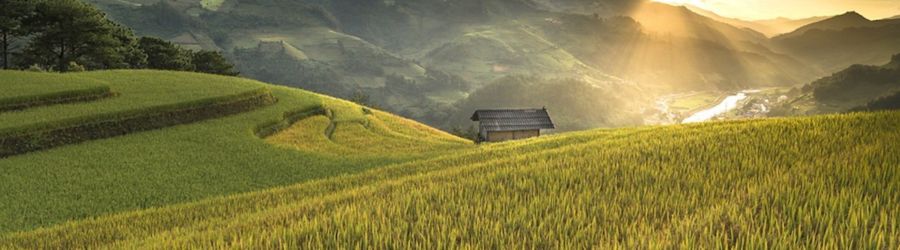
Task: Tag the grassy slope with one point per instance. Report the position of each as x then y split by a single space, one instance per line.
24 86
177 164
137 90
19 83
785 183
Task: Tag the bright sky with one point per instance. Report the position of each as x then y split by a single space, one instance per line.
767 9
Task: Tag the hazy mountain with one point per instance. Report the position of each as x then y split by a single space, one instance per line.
770 27
783 25
841 41
681 21
847 20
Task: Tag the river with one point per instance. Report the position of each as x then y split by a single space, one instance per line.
728 104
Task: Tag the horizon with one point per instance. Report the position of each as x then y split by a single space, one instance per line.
761 10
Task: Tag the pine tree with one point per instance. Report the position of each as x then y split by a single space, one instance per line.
67 31
12 13
162 54
213 62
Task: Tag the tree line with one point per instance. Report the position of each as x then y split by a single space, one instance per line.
71 35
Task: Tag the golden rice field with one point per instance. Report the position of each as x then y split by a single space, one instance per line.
826 182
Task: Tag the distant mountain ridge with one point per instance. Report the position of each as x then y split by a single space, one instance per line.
837 42
770 28
850 19
783 25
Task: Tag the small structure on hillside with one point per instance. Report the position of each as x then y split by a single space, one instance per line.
497 125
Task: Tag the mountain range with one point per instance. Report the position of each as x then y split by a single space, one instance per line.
435 60
770 27
840 41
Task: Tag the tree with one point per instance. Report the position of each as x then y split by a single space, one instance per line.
213 62
132 54
162 54
67 31
361 98
12 13
126 54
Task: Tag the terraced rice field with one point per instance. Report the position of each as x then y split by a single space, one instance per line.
175 164
349 177
21 90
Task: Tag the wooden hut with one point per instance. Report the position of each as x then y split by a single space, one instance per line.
497 125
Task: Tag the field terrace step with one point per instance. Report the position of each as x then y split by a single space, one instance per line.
22 90
139 105
65 132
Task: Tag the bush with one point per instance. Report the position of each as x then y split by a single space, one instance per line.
36 68
75 67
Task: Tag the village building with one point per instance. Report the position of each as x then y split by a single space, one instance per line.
496 125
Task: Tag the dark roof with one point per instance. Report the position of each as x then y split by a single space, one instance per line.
513 119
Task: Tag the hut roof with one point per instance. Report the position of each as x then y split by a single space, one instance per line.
513 119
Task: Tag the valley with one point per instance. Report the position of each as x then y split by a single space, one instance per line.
414 60
694 107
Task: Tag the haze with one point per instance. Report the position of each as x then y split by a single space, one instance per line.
768 9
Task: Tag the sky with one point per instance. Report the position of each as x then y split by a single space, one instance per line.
768 9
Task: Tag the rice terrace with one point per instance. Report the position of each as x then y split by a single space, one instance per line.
117 139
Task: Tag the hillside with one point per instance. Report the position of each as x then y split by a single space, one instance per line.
784 25
747 184
847 20
682 21
770 27
164 138
424 58
852 88
841 41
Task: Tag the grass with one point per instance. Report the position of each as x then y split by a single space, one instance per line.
137 90
381 181
26 89
353 130
813 182
156 168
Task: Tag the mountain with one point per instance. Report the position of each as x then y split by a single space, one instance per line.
854 87
847 20
681 21
841 41
783 25
770 28
423 59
